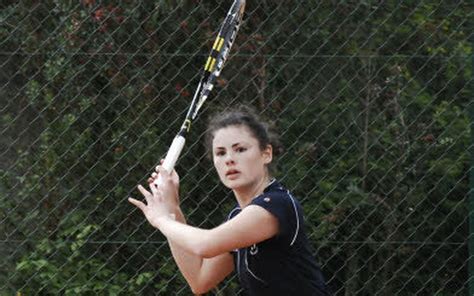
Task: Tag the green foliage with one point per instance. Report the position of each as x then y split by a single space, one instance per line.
370 100
63 266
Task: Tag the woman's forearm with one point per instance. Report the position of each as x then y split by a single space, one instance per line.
188 263
191 239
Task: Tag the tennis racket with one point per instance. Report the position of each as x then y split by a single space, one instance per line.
212 69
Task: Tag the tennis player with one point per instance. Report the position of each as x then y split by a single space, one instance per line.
263 239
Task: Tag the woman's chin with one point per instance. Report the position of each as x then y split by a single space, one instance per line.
233 184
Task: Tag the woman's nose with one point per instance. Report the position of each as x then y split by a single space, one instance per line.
229 159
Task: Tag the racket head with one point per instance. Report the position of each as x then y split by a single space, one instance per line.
227 34
218 55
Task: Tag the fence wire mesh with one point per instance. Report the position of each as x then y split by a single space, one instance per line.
370 99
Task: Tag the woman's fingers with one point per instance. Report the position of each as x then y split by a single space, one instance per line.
159 169
145 193
152 178
137 203
153 188
161 164
162 171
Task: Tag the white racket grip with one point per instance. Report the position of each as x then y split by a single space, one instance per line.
172 156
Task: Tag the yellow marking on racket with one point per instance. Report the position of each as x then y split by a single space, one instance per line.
208 63
213 63
187 124
218 44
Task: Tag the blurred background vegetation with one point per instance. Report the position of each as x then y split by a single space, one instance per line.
370 98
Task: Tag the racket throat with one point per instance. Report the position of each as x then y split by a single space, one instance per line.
183 132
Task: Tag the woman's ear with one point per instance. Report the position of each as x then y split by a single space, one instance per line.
267 154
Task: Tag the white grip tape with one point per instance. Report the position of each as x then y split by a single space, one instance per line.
172 156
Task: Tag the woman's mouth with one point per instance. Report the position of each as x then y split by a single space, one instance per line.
231 174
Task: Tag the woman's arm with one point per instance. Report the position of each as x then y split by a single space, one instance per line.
202 274
253 225
203 256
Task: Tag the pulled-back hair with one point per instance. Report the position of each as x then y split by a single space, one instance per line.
244 116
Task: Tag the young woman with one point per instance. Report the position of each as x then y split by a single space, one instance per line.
264 237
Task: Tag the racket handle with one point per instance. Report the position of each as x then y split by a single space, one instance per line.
172 156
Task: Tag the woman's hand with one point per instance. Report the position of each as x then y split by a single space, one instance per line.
174 179
162 202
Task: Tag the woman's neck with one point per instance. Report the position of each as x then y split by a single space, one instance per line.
245 195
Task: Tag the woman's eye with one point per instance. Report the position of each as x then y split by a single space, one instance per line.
220 153
241 149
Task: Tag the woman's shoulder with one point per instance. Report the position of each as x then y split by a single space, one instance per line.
276 193
279 201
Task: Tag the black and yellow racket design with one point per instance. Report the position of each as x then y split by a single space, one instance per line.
212 69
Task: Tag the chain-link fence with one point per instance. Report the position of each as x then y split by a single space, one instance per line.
370 98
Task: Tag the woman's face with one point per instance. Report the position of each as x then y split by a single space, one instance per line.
237 156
